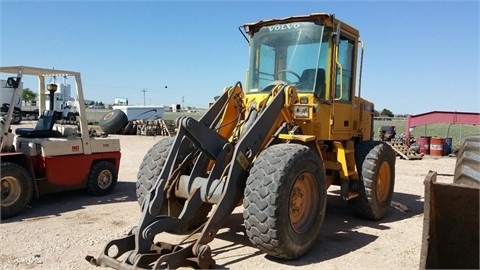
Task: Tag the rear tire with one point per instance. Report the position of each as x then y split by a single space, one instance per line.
16 189
102 178
113 121
376 170
284 200
147 177
467 168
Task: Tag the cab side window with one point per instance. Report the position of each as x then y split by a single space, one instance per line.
344 80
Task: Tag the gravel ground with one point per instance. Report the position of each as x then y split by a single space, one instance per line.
57 231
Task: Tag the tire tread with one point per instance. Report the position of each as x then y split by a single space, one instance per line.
467 167
261 203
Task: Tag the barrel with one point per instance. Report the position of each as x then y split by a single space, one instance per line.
447 147
436 146
424 144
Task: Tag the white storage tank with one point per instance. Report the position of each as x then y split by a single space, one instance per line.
62 96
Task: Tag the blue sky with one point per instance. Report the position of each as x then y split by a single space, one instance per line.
420 55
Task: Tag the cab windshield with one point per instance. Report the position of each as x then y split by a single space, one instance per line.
293 53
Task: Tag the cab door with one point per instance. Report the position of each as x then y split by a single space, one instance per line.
343 123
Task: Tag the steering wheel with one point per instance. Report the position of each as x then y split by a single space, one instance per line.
271 85
287 71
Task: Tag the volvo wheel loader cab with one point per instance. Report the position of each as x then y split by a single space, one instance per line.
298 127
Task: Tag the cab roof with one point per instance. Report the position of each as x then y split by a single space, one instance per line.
326 18
43 72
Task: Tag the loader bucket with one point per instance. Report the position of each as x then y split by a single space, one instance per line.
450 226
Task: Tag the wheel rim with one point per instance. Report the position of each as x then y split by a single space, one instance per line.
105 179
384 180
11 190
303 203
108 116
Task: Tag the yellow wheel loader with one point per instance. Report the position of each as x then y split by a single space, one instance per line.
297 127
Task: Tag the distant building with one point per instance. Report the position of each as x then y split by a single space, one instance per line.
120 101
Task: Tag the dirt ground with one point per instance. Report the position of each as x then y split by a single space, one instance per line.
58 231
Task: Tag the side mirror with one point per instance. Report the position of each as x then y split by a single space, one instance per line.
337 34
13 82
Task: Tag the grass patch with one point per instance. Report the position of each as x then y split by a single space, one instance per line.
457 132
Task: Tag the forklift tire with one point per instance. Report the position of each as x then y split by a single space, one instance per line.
102 178
467 168
16 189
147 176
376 170
284 200
113 121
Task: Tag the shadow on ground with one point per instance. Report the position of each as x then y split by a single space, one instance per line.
58 203
339 234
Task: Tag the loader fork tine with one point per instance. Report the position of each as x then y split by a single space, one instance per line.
137 249
183 256
123 245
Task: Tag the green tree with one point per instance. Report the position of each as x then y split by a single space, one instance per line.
28 95
387 112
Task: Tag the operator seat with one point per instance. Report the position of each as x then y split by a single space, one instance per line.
307 81
43 129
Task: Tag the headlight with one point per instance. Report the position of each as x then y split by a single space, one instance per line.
300 112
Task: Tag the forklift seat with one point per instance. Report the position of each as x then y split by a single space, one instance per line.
43 129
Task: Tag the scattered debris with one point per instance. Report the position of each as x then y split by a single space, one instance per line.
159 127
404 151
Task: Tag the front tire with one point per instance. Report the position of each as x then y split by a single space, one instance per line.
147 177
16 189
151 167
102 178
376 169
284 200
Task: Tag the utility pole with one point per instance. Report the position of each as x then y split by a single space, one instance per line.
143 90
183 105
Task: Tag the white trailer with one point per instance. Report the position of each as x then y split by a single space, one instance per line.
142 112
7 98
6 94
